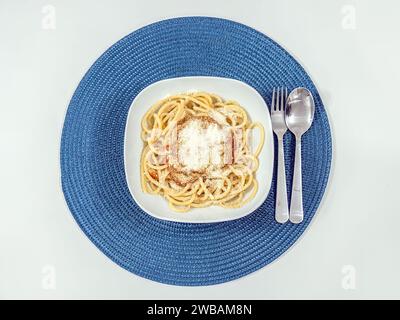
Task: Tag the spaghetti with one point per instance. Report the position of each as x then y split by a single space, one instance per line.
197 152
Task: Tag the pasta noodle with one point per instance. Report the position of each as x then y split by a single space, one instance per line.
197 152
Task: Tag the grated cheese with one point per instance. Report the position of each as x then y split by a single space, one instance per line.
201 145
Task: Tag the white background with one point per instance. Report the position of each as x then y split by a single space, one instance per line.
356 69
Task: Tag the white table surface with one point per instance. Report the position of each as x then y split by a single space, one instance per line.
351 250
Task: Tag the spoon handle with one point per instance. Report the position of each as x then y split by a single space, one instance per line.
281 204
296 204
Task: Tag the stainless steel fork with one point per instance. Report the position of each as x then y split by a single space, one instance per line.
278 104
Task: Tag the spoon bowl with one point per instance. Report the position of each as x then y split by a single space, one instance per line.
300 110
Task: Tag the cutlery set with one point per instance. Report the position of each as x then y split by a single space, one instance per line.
296 113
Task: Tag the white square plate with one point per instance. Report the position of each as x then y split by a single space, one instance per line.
229 89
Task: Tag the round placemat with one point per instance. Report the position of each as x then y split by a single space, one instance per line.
92 162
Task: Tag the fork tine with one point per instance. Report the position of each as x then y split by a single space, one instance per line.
278 96
282 97
284 100
277 99
273 100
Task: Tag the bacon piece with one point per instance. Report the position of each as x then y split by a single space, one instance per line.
237 144
153 173
228 147
173 146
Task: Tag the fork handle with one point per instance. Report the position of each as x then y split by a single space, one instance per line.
296 203
281 204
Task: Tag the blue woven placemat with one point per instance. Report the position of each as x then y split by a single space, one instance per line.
92 167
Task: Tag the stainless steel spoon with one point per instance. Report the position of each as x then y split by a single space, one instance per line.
299 116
